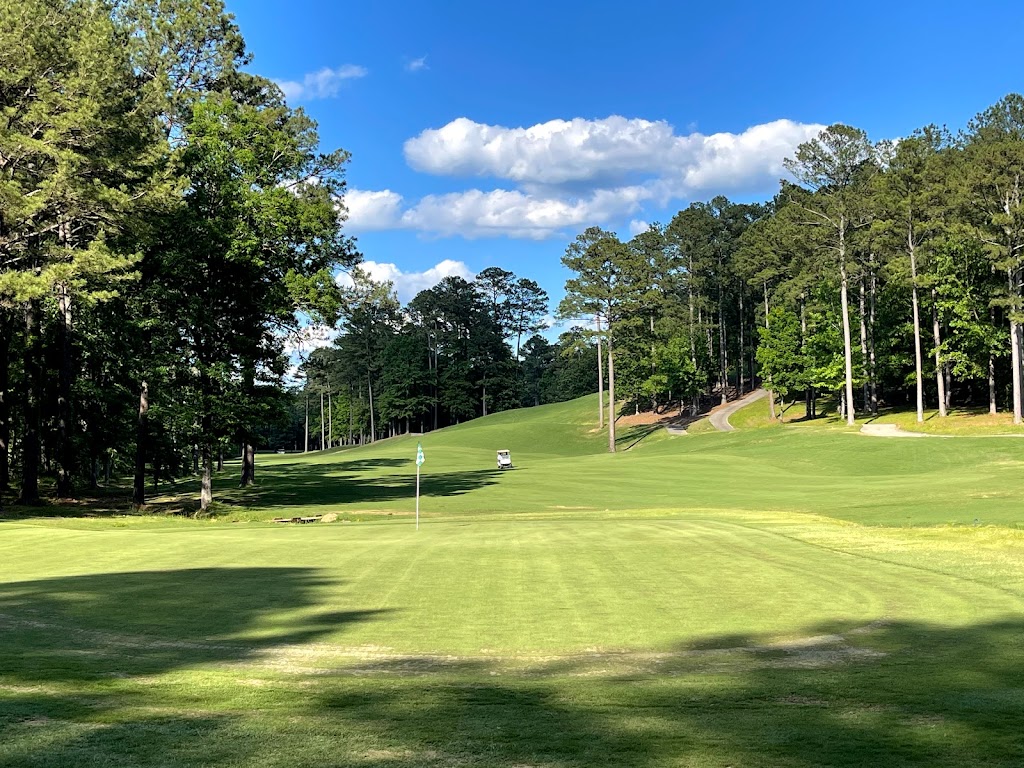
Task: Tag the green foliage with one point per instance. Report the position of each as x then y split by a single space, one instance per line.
780 352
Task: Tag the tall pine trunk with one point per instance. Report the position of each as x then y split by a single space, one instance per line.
872 362
845 307
1015 351
141 448
248 448
350 415
611 394
30 450
373 423
723 359
6 331
865 387
916 303
65 425
771 395
206 480
600 378
993 406
739 358
940 377
808 392
305 445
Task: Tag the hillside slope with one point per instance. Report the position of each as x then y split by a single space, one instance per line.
562 467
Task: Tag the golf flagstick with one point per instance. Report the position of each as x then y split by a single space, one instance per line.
419 461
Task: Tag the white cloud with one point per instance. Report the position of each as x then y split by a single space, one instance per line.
372 210
498 212
613 150
307 338
417 64
570 174
322 84
408 284
636 226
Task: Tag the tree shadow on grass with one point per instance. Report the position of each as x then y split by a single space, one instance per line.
906 694
81 657
151 622
899 694
332 486
285 485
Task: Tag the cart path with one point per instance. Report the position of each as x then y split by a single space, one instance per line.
719 417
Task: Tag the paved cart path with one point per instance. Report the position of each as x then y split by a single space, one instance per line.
719 417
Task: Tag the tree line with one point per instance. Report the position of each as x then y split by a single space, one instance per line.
165 221
881 273
456 351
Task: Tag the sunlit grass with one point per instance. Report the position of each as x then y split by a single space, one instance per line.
795 595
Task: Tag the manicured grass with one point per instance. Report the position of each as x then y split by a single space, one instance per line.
958 422
563 468
794 596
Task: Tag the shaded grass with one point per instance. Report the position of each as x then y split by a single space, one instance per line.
686 639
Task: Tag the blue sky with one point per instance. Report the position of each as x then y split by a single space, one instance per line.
489 134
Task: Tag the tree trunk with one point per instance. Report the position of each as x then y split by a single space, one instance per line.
5 403
693 332
206 487
323 423
65 425
350 415
918 357
1015 352
330 418
993 407
373 424
864 348
600 378
872 363
808 391
248 462
723 359
305 448
771 395
940 378
611 394
30 440
248 476
739 359
847 341
483 397
141 447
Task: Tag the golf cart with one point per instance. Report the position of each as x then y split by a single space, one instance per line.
504 460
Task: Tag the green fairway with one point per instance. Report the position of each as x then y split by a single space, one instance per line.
563 469
707 600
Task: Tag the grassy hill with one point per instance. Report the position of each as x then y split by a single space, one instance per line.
703 600
562 468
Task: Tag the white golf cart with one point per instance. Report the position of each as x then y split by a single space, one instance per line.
504 460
